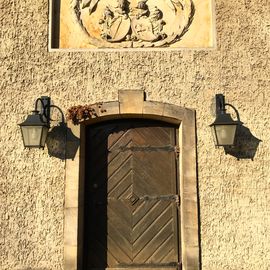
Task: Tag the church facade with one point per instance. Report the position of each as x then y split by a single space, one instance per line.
130 176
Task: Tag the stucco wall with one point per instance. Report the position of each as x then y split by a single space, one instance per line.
234 195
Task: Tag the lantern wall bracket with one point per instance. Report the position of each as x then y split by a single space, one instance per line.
44 111
221 106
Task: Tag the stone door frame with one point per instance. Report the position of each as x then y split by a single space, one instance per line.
131 104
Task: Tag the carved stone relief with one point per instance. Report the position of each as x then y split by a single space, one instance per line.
135 23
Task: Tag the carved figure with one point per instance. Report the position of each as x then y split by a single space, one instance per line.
142 9
174 3
106 23
157 23
155 14
115 23
149 28
121 8
91 4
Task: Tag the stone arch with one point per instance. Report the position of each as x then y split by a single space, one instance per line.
131 104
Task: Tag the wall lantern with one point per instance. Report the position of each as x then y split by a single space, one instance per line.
224 127
36 126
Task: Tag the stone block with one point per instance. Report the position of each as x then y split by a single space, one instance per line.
71 227
189 202
190 219
153 108
131 101
72 183
71 196
173 111
70 257
192 258
191 236
109 108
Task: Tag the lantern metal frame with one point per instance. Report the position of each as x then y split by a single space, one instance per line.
224 118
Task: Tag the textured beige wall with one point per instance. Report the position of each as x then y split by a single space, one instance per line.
234 195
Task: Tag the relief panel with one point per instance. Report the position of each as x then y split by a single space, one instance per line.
131 24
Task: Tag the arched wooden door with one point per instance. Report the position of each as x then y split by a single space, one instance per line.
131 217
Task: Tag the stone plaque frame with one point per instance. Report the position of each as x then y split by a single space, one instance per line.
131 104
76 25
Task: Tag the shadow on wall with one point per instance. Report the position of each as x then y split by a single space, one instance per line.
62 143
246 145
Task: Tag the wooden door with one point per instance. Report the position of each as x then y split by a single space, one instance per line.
131 196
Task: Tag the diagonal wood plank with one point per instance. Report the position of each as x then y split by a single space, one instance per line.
119 208
117 252
155 240
118 186
162 251
150 217
138 213
120 238
152 136
119 172
126 193
170 256
148 235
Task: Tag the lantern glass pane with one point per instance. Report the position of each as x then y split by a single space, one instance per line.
44 136
31 135
213 132
225 134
